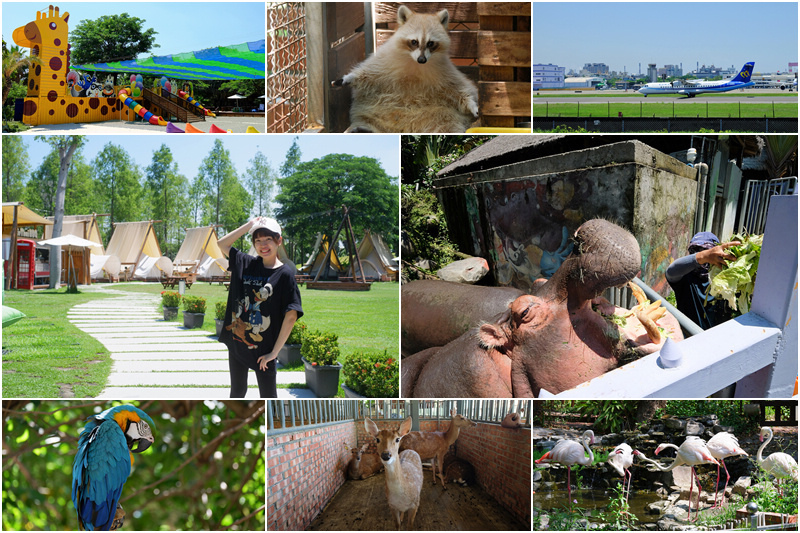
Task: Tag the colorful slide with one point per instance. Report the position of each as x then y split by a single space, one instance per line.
196 103
139 110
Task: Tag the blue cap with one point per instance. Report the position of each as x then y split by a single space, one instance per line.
704 239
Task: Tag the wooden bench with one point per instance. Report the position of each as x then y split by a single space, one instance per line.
170 282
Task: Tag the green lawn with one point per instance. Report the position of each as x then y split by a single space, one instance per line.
703 109
46 356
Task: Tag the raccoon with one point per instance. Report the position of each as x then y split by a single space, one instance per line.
409 85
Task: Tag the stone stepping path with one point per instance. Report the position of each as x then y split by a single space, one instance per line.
153 358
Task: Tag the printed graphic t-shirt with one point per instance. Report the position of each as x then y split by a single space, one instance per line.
258 300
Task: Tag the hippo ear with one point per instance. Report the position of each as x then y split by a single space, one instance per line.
494 336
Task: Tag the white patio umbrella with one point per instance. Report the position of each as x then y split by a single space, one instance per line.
70 242
236 97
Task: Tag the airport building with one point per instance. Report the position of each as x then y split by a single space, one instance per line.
596 69
547 76
587 82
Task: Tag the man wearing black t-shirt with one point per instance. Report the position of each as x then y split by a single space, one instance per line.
263 305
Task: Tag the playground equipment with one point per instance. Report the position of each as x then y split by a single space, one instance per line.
195 103
139 110
172 128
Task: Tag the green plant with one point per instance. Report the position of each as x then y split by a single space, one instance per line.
219 310
298 331
612 415
320 348
372 374
730 412
194 304
170 298
769 499
619 516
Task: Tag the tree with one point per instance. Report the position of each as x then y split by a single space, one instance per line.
229 203
117 179
260 181
166 188
206 470
15 67
110 38
16 167
66 146
292 160
311 198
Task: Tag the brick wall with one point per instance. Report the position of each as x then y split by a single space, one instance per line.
502 461
304 471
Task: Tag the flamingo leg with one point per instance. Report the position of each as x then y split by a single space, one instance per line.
630 478
727 479
716 489
569 485
691 488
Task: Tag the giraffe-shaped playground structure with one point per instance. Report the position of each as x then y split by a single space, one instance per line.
48 100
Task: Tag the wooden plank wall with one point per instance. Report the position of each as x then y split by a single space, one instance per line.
346 48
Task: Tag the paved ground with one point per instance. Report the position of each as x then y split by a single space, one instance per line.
158 359
234 124
634 97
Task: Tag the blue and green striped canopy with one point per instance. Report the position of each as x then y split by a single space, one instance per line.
237 62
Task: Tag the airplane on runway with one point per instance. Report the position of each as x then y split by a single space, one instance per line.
692 88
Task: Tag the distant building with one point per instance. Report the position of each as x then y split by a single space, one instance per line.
671 71
652 72
596 69
547 76
715 72
585 82
793 67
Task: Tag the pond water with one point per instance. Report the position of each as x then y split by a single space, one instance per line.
594 499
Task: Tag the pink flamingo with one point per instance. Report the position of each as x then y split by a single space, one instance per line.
621 458
568 453
779 464
692 452
723 445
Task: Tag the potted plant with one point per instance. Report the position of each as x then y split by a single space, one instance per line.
290 353
319 352
371 375
194 311
219 315
170 301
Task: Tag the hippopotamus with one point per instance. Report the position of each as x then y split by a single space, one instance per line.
424 324
555 338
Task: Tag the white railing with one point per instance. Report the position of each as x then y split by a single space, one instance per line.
757 351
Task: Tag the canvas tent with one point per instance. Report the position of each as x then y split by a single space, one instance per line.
136 246
199 254
317 258
376 259
91 264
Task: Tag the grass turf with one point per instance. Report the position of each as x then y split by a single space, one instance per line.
703 109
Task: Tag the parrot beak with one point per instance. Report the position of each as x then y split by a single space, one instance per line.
139 436
142 444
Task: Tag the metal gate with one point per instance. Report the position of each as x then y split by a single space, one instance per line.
753 210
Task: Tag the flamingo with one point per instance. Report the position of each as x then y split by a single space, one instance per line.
723 445
779 464
621 458
568 453
692 452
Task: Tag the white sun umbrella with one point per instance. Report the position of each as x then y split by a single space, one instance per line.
70 242
236 97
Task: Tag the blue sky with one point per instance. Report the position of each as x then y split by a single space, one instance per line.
189 150
212 23
624 35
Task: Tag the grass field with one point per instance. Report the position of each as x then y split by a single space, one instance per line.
703 109
46 356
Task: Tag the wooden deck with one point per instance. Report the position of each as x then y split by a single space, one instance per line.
362 506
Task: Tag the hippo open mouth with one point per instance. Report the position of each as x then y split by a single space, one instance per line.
562 334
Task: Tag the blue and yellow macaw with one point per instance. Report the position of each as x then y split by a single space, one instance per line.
103 463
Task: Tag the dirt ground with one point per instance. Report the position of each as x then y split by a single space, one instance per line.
362 506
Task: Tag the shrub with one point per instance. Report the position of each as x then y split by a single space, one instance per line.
320 348
194 304
170 298
372 374
298 331
219 310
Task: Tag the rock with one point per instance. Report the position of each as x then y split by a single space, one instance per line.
650 526
656 508
741 485
662 492
424 264
694 428
668 524
464 271
537 476
674 424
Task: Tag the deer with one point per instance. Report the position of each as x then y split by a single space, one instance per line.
434 444
403 470
362 465
458 470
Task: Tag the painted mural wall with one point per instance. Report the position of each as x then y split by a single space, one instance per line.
521 217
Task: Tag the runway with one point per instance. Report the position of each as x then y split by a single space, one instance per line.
602 97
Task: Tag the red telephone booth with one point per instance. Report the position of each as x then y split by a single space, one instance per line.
33 267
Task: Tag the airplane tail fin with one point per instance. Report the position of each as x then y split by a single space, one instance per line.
746 73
